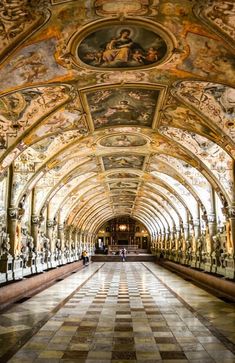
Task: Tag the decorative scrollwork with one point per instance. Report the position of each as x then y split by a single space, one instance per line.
18 18
13 213
35 219
50 223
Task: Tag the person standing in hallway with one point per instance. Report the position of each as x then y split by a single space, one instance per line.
84 257
123 254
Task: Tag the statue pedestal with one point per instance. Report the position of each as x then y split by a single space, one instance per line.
172 256
17 268
63 259
31 262
47 260
208 264
39 259
59 257
6 267
53 260
230 268
193 261
221 270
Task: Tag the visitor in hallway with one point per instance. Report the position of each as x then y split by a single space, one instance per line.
85 258
123 254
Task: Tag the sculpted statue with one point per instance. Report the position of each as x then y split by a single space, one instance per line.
217 250
5 245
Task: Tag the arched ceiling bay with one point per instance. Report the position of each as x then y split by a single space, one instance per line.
118 108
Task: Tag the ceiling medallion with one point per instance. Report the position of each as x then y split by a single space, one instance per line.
126 44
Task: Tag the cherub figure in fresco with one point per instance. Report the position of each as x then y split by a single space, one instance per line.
138 57
152 55
32 67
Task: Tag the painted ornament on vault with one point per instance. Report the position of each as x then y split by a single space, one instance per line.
125 46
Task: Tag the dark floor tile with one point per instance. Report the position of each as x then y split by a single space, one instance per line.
152 312
121 341
160 328
123 355
70 323
173 355
86 328
123 328
74 354
165 340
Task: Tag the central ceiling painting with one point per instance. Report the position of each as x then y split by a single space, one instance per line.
123 106
118 46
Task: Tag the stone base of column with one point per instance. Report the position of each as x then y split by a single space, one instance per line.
17 268
47 261
193 262
63 258
39 258
230 268
208 264
31 263
172 257
59 258
221 270
214 268
53 260
6 267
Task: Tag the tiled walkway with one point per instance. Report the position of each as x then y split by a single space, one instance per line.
124 313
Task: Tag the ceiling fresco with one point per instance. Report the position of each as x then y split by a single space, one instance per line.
122 106
122 46
111 108
125 140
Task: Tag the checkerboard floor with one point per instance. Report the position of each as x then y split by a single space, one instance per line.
125 313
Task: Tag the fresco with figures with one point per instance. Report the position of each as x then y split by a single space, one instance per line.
123 46
122 106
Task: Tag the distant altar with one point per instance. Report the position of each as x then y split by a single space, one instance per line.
114 249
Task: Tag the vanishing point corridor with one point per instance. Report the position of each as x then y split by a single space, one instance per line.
119 312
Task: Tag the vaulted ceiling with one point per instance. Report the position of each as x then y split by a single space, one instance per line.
113 107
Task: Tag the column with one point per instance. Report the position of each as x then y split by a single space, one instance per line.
49 250
230 260
35 225
60 232
212 217
14 231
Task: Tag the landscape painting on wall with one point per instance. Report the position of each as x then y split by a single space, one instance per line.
126 46
122 106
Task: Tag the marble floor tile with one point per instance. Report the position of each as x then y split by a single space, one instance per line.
123 313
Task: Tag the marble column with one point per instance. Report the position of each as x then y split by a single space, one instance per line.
212 215
230 260
35 226
50 253
14 231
